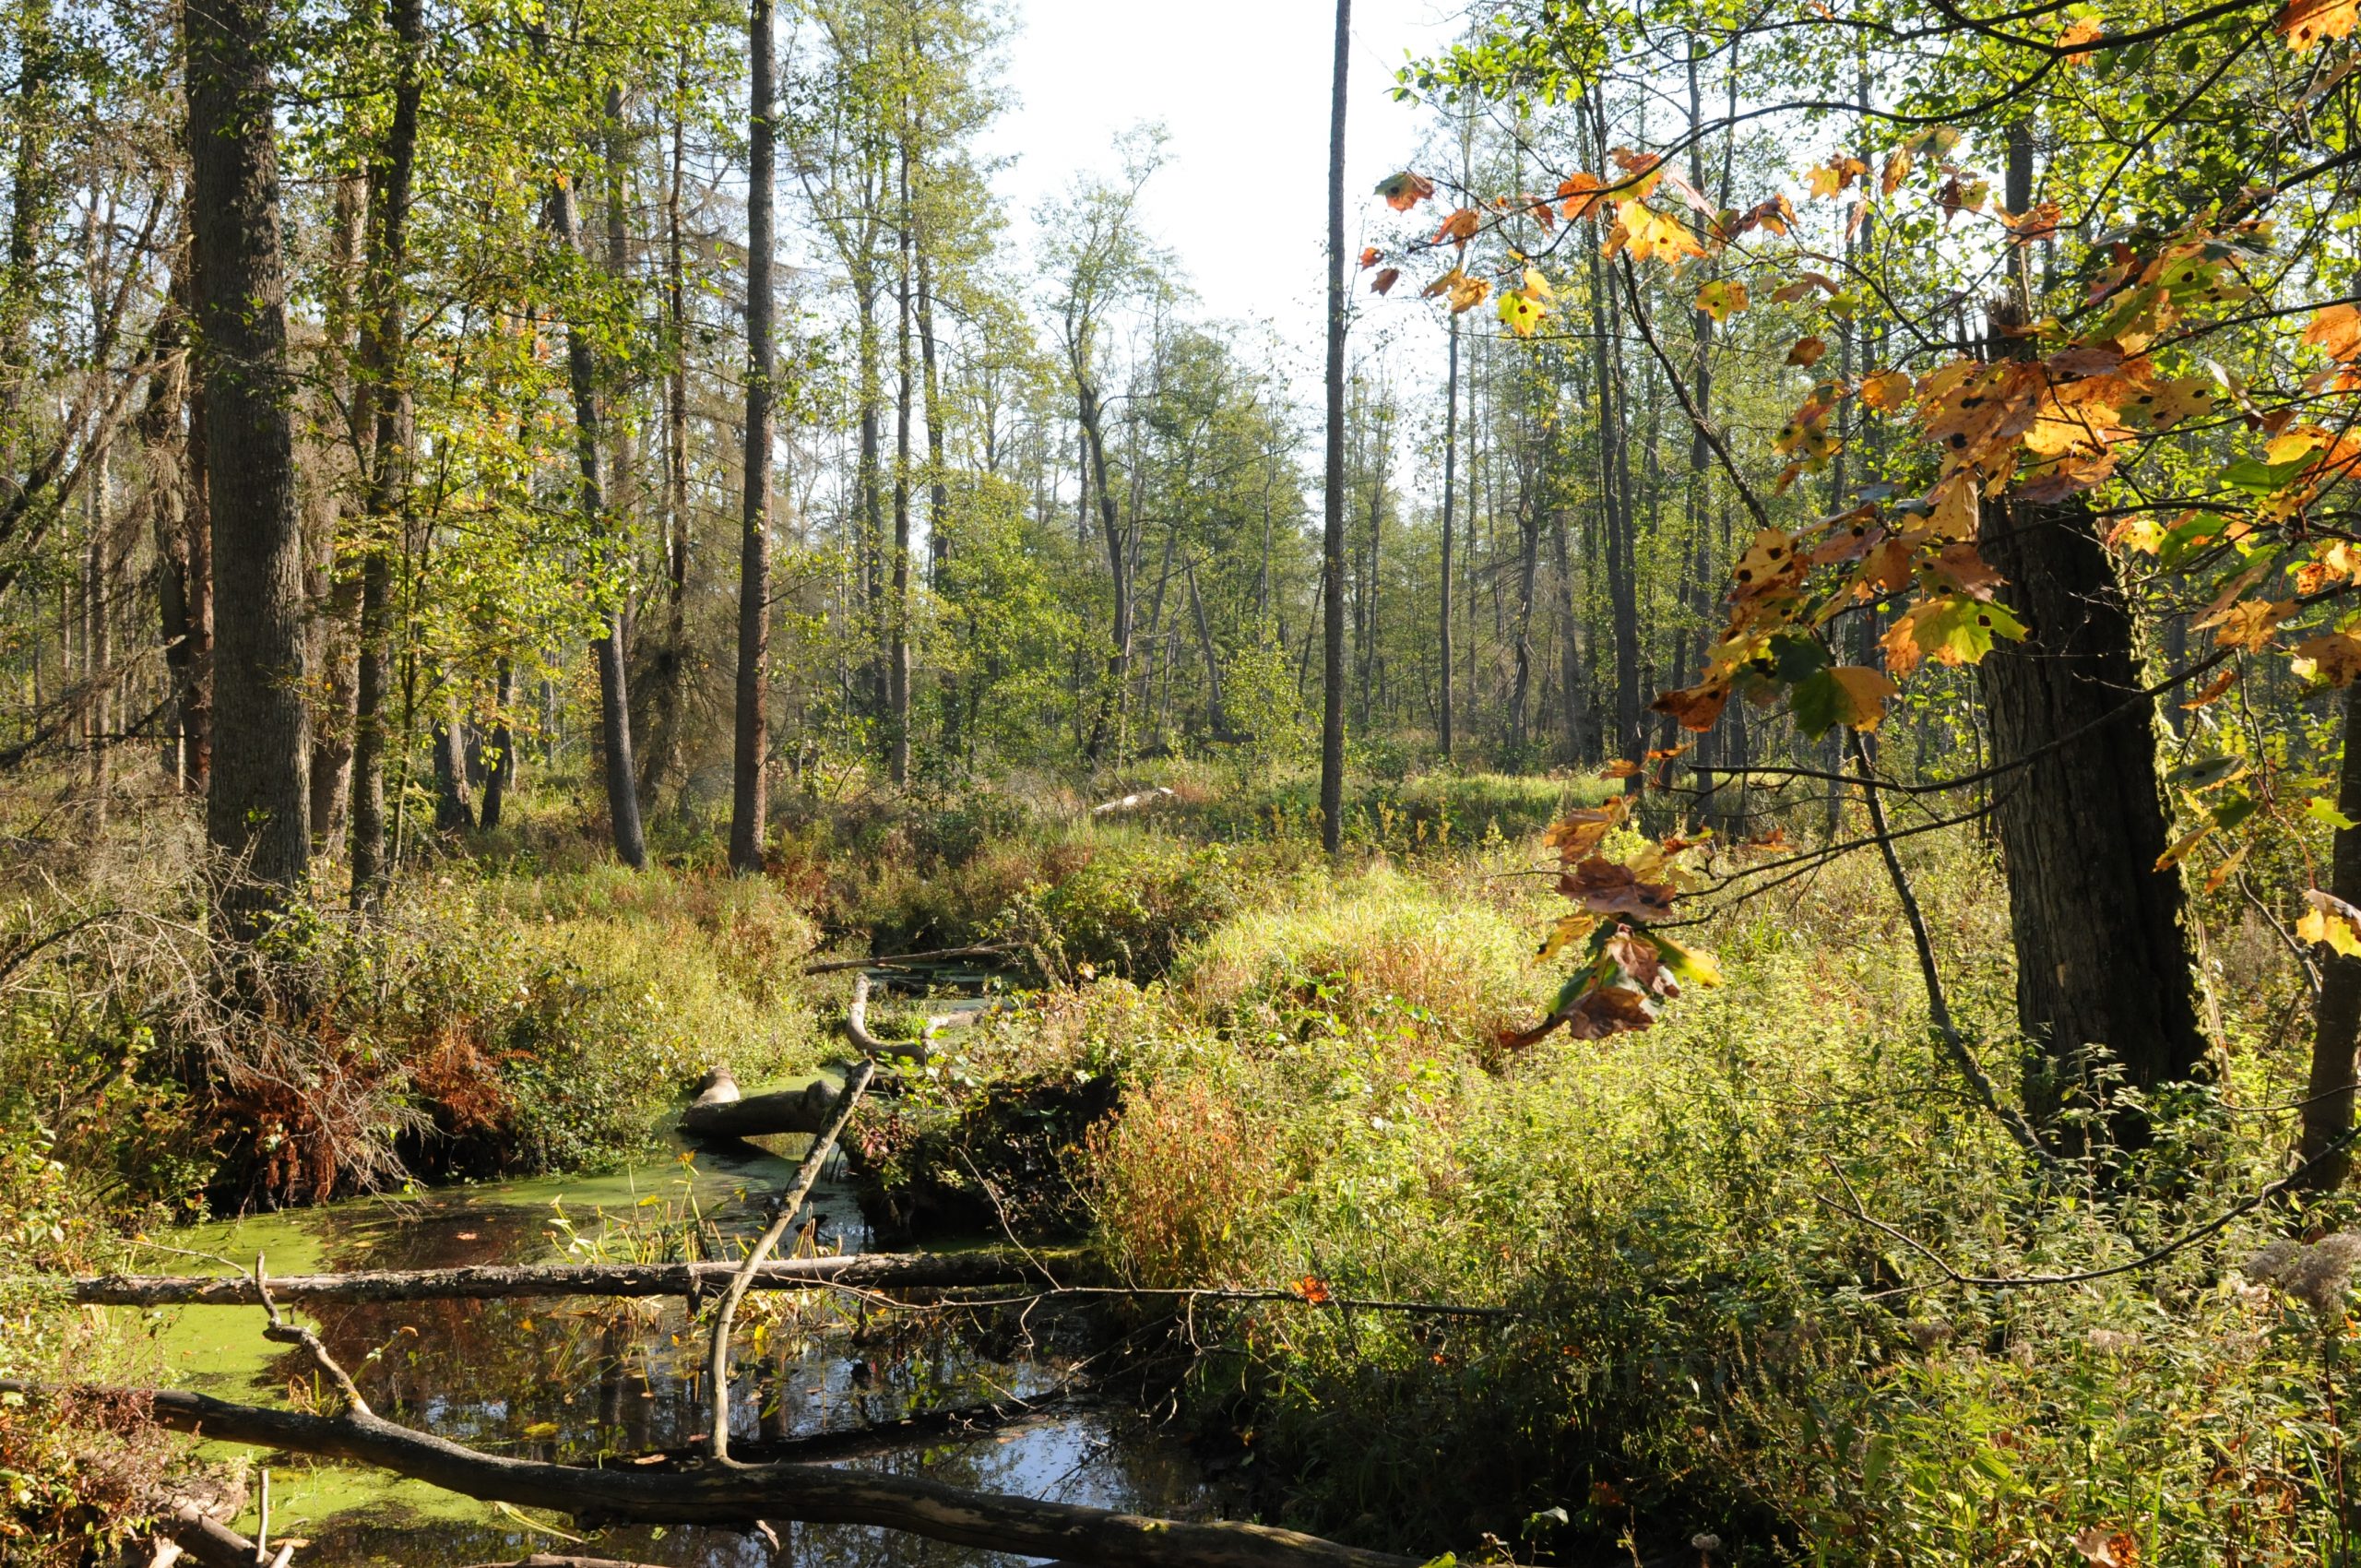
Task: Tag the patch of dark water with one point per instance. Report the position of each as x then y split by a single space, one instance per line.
603 1381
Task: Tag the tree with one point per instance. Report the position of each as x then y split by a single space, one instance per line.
257 807
1332 579
749 795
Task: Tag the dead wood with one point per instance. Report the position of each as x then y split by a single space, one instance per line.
871 1271
812 1494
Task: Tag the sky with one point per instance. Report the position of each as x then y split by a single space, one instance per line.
1243 87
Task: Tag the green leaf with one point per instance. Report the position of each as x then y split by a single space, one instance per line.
2320 808
2233 809
2258 477
1961 630
1794 657
2205 773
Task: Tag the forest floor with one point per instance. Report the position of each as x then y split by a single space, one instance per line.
1755 1275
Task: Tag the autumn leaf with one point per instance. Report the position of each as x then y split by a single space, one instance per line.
1403 191
1521 312
1605 888
2103 1549
1459 228
2336 328
1576 834
2335 658
1467 293
1311 1289
2308 23
2182 846
2331 920
2077 34
1850 694
1568 929
1695 708
1611 1009
2168 403
1722 299
1384 282
1370 256
1807 351
1885 392
2213 689
1690 966
1444 284
2249 623
1897 169
1582 192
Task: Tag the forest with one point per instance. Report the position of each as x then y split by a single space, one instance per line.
735 828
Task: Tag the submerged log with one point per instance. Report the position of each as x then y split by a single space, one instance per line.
874 1271
816 1495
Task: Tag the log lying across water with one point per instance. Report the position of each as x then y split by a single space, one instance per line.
869 1271
736 1496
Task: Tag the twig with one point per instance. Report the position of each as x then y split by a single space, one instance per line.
1939 1010
824 1143
2186 1239
280 1330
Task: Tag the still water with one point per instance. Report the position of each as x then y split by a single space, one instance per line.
582 1381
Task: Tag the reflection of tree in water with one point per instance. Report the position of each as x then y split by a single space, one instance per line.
584 1381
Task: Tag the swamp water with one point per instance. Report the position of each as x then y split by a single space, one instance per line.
585 1382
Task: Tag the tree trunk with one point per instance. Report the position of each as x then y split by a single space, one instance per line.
614 704
1450 498
750 753
897 612
455 810
387 387
2328 1098
257 809
1331 560
333 589
501 775
663 756
938 502
2081 821
1111 710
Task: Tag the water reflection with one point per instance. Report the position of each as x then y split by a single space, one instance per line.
585 1382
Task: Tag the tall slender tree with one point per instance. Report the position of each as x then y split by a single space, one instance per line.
749 799
1331 558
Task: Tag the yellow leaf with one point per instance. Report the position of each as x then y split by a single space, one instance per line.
2333 921
2308 23
2181 847
1866 691
2336 328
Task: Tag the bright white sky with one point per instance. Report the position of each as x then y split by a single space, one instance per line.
1243 86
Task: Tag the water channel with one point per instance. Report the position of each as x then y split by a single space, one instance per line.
587 1382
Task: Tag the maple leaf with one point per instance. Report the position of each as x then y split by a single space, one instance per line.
2102 1548
2308 23
1312 1288
1467 293
1850 694
2250 623
1444 284
2333 657
1605 888
1568 929
2336 328
1885 392
1403 191
1459 228
1807 351
1897 169
2037 222
1960 567
1582 194
2213 689
1385 280
1576 834
2331 920
1521 312
1695 708
2168 403
2079 32
1609 1010
1769 558
2085 359
1370 256
1722 299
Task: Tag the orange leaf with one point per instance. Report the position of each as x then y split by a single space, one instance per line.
2079 32
1403 191
1459 228
1583 193
1807 351
1385 280
2213 689
2336 328
1370 256
2308 23
2335 658
1312 1288
1697 707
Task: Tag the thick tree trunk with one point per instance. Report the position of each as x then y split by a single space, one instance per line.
1331 560
2103 957
455 810
386 388
257 809
750 755
499 776
2328 1098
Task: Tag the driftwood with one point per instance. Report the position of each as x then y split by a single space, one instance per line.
1131 802
812 1494
869 1271
824 1143
205 1538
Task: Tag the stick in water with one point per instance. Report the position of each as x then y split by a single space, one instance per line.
822 1143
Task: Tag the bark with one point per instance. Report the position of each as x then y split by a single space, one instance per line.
1449 499
1090 413
614 704
487 1282
455 810
1217 711
938 500
257 808
2328 1098
897 613
334 587
750 755
809 1494
499 776
1332 559
178 551
387 391
2082 822
662 759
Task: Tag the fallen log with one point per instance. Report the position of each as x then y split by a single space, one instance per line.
812 1494
1132 803
869 1271
899 960
720 1111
